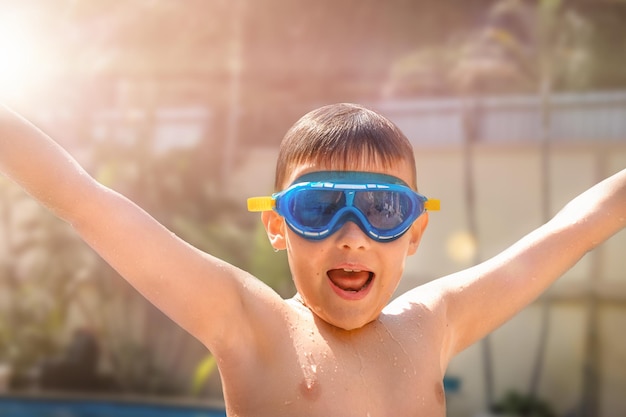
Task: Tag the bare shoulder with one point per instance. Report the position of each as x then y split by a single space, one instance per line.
426 299
435 307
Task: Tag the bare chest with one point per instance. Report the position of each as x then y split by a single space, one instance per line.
376 372
377 381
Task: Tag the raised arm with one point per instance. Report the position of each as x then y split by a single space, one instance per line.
208 297
478 300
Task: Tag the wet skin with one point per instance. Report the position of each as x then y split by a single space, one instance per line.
389 367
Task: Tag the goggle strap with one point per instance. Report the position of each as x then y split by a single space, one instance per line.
432 204
261 203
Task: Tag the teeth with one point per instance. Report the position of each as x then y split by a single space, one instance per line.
351 270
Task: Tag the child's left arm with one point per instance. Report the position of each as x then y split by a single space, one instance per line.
478 300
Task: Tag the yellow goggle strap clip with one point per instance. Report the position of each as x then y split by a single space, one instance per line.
432 204
261 204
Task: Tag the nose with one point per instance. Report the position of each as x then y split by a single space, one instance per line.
350 236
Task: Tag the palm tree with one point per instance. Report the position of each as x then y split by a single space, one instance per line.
524 47
535 46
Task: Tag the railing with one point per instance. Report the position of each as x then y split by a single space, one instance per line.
597 117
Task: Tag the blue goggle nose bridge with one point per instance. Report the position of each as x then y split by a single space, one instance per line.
349 197
349 212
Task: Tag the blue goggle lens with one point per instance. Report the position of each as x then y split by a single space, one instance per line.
315 208
385 210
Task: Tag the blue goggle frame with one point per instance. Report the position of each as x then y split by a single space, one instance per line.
318 204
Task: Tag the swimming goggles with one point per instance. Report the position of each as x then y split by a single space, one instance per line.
318 204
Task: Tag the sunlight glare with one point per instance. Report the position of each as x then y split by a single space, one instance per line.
461 247
22 60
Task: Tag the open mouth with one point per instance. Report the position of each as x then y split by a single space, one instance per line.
350 281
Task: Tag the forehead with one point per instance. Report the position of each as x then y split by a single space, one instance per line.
400 170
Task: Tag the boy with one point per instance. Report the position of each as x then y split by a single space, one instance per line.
348 215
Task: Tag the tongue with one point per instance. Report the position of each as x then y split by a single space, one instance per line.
349 281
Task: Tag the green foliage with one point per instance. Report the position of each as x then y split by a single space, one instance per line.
205 369
521 46
137 370
46 266
516 404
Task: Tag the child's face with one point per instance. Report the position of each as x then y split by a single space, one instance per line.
347 278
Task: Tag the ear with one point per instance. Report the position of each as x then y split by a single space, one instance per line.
416 231
275 228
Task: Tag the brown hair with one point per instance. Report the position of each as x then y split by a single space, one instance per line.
343 135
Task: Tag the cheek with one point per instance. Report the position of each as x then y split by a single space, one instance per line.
396 255
400 248
302 254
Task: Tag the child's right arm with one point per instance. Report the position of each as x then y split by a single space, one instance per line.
216 302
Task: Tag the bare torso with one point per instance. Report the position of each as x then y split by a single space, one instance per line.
389 367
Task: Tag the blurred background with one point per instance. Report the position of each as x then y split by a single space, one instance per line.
513 107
